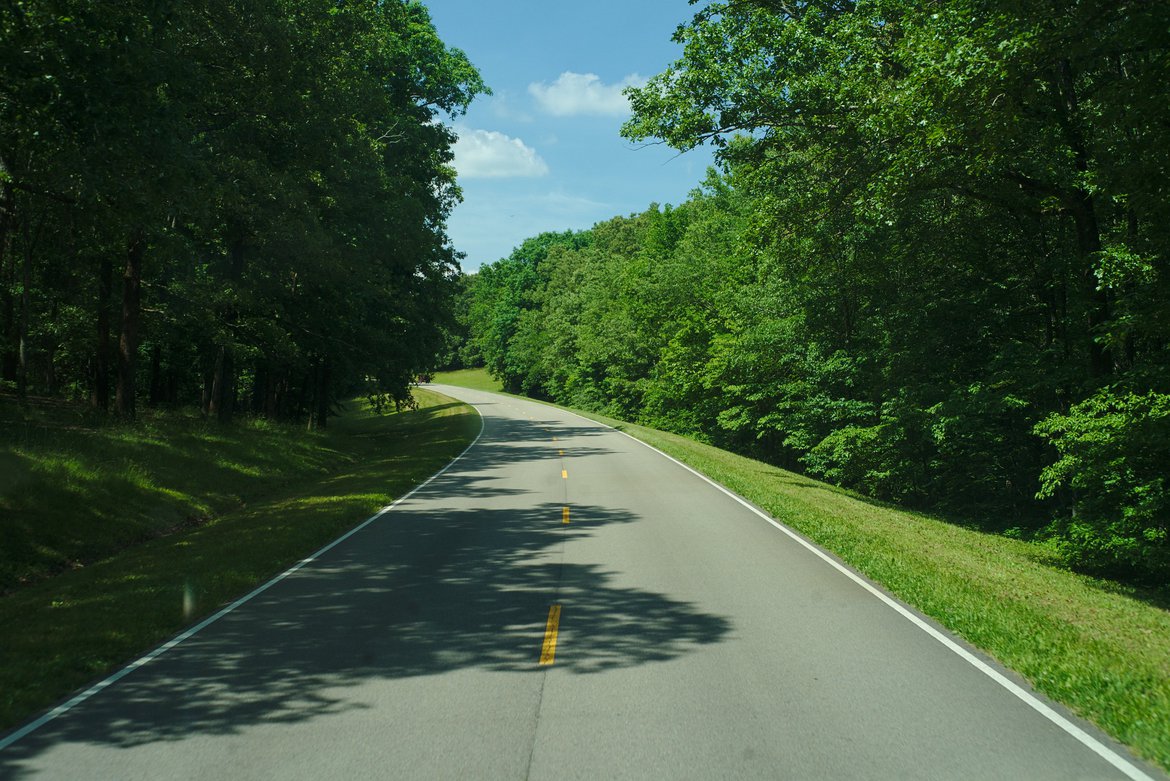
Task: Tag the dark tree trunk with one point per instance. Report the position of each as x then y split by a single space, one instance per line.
276 395
51 370
8 340
320 379
51 358
101 374
303 392
259 389
1088 247
205 391
125 395
223 384
156 382
1084 214
223 391
172 384
25 305
324 380
227 397
313 381
8 358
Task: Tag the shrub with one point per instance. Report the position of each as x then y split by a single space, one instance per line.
1114 461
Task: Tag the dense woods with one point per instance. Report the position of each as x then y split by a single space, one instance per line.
238 204
932 267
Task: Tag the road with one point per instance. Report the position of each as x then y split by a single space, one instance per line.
562 602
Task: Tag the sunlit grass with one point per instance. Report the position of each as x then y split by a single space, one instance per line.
476 379
64 631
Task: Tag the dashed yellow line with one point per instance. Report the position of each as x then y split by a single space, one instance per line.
548 650
564 515
565 474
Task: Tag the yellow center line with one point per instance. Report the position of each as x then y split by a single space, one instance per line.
564 515
565 474
561 452
548 650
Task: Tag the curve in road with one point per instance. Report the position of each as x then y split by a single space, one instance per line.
564 602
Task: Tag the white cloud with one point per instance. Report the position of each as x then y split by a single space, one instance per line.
487 154
584 93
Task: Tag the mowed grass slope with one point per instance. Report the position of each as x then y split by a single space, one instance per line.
274 495
1101 648
72 491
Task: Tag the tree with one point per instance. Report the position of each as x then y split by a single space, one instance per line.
271 176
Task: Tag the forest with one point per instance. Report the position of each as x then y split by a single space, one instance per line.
932 265
236 204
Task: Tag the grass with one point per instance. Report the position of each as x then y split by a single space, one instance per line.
262 496
73 491
1101 648
476 379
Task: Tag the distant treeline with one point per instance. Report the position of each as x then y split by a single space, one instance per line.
935 266
236 203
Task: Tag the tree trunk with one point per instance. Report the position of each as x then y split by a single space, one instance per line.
8 358
314 382
156 388
276 397
213 398
319 381
223 386
8 362
223 383
324 380
302 393
172 393
25 284
1084 213
101 376
259 389
1088 248
205 390
125 395
51 358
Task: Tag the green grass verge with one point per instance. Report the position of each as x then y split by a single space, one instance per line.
73 491
64 631
476 379
1100 648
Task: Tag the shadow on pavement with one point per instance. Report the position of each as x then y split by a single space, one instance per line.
425 590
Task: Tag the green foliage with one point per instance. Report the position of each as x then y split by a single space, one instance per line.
280 164
1114 449
934 227
505 297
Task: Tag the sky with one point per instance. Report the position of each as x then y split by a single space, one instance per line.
544 152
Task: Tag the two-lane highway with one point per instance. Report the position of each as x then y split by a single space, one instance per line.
564 602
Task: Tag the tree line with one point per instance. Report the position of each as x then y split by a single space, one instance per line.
932 266
239 204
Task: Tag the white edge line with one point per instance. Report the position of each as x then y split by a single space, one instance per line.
64 707
1090 742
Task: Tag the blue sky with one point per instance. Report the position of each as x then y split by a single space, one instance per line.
544 152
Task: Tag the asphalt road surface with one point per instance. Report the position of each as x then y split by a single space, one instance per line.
564 602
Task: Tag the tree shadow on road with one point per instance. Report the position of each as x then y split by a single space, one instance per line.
420 592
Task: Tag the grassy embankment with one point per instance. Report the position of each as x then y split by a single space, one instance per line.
112 538
1100 648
